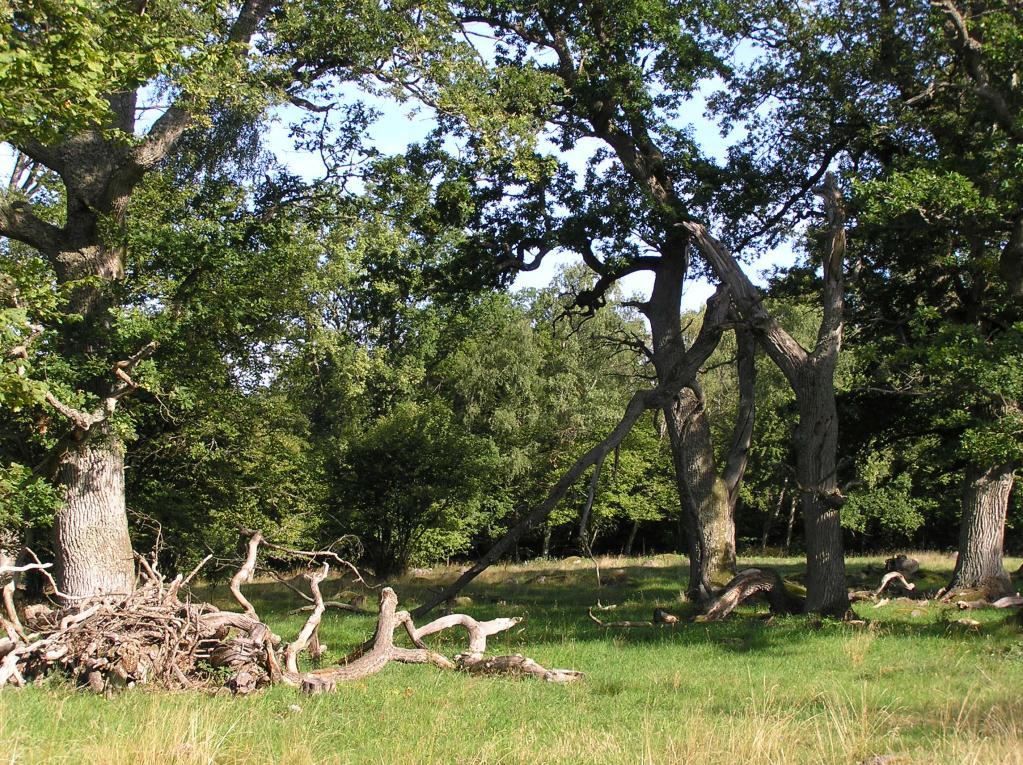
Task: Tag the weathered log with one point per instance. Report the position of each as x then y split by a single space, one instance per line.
1007 602
514 665
749 583
244 574
312 623
897 577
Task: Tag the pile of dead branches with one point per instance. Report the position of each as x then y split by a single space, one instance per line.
156 635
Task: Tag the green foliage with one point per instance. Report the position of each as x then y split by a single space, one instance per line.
885 506
414 486
26 500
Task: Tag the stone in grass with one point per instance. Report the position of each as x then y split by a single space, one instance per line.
916 613
462 600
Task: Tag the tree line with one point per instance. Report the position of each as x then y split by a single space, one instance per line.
198 338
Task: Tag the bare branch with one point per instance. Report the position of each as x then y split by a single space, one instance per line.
742 433
312 623
244 574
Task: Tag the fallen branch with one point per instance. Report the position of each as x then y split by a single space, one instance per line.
747 584
894 576
339 605
312 623
244 574
150 636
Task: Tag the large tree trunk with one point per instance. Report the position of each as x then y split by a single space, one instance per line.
703 496
92 546
985 504
816 448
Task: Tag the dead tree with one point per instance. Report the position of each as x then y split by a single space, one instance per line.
152 636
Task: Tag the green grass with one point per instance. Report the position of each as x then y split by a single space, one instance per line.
791 691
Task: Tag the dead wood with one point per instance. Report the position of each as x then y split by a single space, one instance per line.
747 584
383 650
337 604
897 578
244 574
152 637
1007 602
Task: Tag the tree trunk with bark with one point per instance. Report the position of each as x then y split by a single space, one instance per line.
703 496
92 546
985 506
811 374
816 451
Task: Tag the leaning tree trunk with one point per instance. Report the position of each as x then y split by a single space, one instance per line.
702 494
816 448
985 505
92 546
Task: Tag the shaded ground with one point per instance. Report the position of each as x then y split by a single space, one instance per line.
912 682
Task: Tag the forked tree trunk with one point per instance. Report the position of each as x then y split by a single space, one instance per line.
811 373
985 505
92 546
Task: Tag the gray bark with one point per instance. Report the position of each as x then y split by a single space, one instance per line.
92 546
982 531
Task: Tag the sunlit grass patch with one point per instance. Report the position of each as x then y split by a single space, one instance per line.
792 690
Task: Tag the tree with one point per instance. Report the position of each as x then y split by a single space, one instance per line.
415 482
811 373
623 75
939 236
199 64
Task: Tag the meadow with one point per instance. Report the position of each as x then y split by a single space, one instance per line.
911 684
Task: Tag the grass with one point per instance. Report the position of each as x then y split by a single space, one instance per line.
911 683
